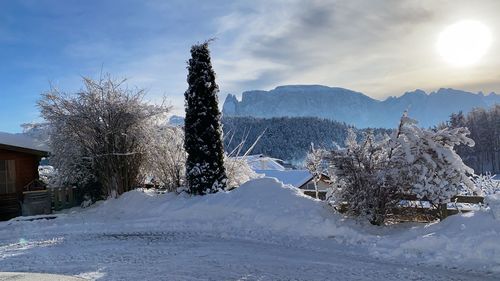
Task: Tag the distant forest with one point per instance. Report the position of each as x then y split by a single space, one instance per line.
287 138
484 125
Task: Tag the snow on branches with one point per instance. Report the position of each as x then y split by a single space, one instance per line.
205 171
166 158
99 133
372 175
436 171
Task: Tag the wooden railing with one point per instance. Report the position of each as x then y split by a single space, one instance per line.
36 202
63 198
10 207
441 211
312 193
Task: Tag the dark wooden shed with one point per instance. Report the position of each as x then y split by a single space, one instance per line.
19 160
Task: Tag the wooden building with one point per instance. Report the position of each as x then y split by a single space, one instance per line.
19 159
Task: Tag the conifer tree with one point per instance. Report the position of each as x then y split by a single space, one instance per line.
205 171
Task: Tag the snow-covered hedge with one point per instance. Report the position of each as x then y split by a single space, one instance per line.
372 174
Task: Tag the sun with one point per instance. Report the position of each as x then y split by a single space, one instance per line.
464 43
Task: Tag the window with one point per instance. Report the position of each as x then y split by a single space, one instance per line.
7 176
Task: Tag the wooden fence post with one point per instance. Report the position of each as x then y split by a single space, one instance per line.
71 197
443 210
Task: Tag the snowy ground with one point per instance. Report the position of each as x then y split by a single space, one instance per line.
261 231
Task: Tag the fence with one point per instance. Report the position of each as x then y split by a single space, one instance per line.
10 206
441 211
36 203
64 197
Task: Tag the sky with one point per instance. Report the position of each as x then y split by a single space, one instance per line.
380 48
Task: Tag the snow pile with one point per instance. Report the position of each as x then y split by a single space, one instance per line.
296 178
266 210
260 208
493 202
469 240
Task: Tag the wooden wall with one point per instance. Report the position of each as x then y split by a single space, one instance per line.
26 167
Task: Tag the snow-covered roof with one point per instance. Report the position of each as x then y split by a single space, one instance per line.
22 141
261 162
296 178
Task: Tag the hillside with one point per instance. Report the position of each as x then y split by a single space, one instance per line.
285 138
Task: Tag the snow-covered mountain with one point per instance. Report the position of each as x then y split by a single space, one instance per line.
354 107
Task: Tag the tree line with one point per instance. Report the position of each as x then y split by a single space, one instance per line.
286 138
484 126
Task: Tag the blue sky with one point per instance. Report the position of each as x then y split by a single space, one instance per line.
381 48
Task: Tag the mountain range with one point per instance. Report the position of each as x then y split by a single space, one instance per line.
355 108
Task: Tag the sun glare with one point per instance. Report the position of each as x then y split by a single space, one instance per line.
464 43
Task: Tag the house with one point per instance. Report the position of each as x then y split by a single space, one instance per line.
19 159
323 184
261 162
274 168
296 178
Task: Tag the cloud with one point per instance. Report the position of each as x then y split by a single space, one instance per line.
379 47
319 40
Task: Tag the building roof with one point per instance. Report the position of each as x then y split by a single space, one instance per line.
22 143
296 178
261 162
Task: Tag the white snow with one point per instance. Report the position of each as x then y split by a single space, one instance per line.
262 230
261 162
21 141
295 178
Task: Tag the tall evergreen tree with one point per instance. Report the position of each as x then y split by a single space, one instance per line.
205 171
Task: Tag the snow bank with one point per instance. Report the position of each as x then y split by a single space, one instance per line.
296 178
493 202
469 240
259 208
265 209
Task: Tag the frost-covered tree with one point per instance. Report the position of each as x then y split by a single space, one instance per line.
484 126
487 184
205 172
166 161
238 171
316 164
99 134
286 138
365 178
372 175
436 171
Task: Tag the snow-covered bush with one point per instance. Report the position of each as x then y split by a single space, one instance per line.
436 171
166 157
166 162
365 179
371 175
486 184
316 164
48 175
238 171
99 133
